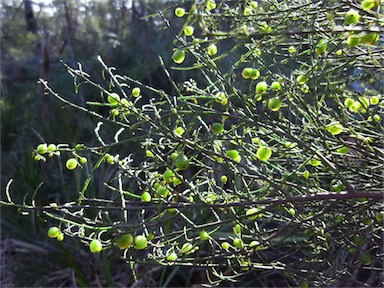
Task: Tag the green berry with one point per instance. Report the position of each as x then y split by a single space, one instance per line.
42 148
60 237
140 242
225 245
113 98
263 153
178 56
53 232
179 12
51 148
246 73
212 50
136 92
255 73
234 155
237 242
146 197
348 102
71 163
83 160
182 162
276 86
186 248
374 100
301 79
291 49
171 257
376 117
370 38
306 174
379 216
351 17
168 175
115 112
124 241
217 128
148 153
173 156
224 179
261 87
353 41
95 246
274 104
188 31
204 235
321 46
211 4
179 131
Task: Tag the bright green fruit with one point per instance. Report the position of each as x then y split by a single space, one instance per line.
369 4
140 242
291 211
237 242
182 162
254 243
370 38
204 235
234 155
83 160
314 162
188 31
60 237
212 50
348 102
173 156
276 86
95 246
178 56
36 157
179 12
291 49
168 175
42 148
109 158
237 229
353 41
247 11
342 150
224 179
51 147
113 98
176 181
146 197
252 213
71 163
374 100
186 248
162 190
171 257
302 79
255 73
115 112
263 153
148 153
211 4
246 73
217 128
351 17
358 240
334 129
136 92
321 46
179 131
225 245
274 104
53 232
261 87
376 117
306 174
124 241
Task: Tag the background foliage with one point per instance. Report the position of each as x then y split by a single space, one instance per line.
316 199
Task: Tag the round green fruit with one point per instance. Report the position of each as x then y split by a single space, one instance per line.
53 232
237 242
124 241
223 179
306 174
60 237
255 73
179 131
148 153
276 86
274 104
188 31
179 12
217 128
173 156
234 155
168 175
178 56
113 98
225 245
379 216
171 256
140 242
71 163
252 213
370 38
351 17
212 50
374 100
261 87
246 73
146 197
95 246
353 41
321 46
42 148
136 92
348 102
51 148
301 79
211 4
182 162
369 4
263 153
204 235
